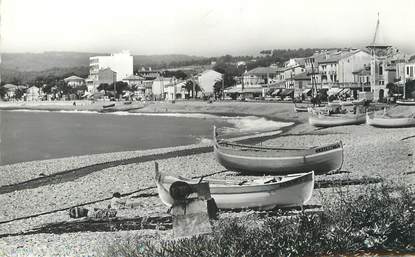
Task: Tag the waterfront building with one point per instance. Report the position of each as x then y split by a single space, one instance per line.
159 85
259 76
207 79
120 63
133 80
175 90
32 94
74 81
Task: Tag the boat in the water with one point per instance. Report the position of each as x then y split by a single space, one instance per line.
386 121
332 120
276 160
265 193
406 102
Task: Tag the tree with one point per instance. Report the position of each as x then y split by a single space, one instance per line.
410 89
392 89
3 91
120 86
105 86
18 94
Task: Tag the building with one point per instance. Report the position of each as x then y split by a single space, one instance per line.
120 63
33 94
104 76
134 80
259 76
207 80
339 67
175 90
74 81
159 86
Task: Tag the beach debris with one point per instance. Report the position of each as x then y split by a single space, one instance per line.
78 212
116 202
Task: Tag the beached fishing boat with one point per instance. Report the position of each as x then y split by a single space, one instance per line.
277 161
386 121
406 102
108 106
265 193
332 120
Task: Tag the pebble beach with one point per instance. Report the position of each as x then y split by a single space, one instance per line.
369 153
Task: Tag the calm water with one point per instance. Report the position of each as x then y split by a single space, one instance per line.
27 136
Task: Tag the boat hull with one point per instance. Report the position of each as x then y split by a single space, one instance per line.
295 194
333 121
405 102
382 122
320 162
292 192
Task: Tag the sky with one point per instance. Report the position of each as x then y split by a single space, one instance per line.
201 27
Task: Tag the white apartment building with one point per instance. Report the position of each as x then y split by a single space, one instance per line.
121 63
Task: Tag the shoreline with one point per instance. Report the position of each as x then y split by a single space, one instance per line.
370 154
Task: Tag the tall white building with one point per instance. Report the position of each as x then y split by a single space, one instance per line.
121 63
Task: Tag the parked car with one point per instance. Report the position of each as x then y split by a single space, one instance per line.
269 98
277 98
228 98
241 98
288 99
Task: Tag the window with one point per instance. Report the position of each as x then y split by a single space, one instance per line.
407 70
381 82
380 70
411 71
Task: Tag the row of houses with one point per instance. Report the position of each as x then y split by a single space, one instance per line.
335 70
340 70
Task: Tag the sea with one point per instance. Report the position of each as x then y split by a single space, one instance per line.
28 135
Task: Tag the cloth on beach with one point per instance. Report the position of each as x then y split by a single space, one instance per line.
117 203
103 213
191 218
78 212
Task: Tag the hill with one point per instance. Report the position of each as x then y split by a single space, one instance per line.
50 60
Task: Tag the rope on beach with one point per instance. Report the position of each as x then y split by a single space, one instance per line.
405 138
100 200
78 205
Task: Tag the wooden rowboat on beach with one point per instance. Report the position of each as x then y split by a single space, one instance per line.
325 121
386 121
265 193
277 161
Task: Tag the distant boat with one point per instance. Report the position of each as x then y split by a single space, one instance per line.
265 193
406 102
277 161
302 107
332 120
108 105
390 122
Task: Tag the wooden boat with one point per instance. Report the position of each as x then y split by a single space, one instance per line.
332 120
390 122
406 102
278 161
108 106
266 193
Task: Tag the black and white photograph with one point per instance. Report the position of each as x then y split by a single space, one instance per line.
172 128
